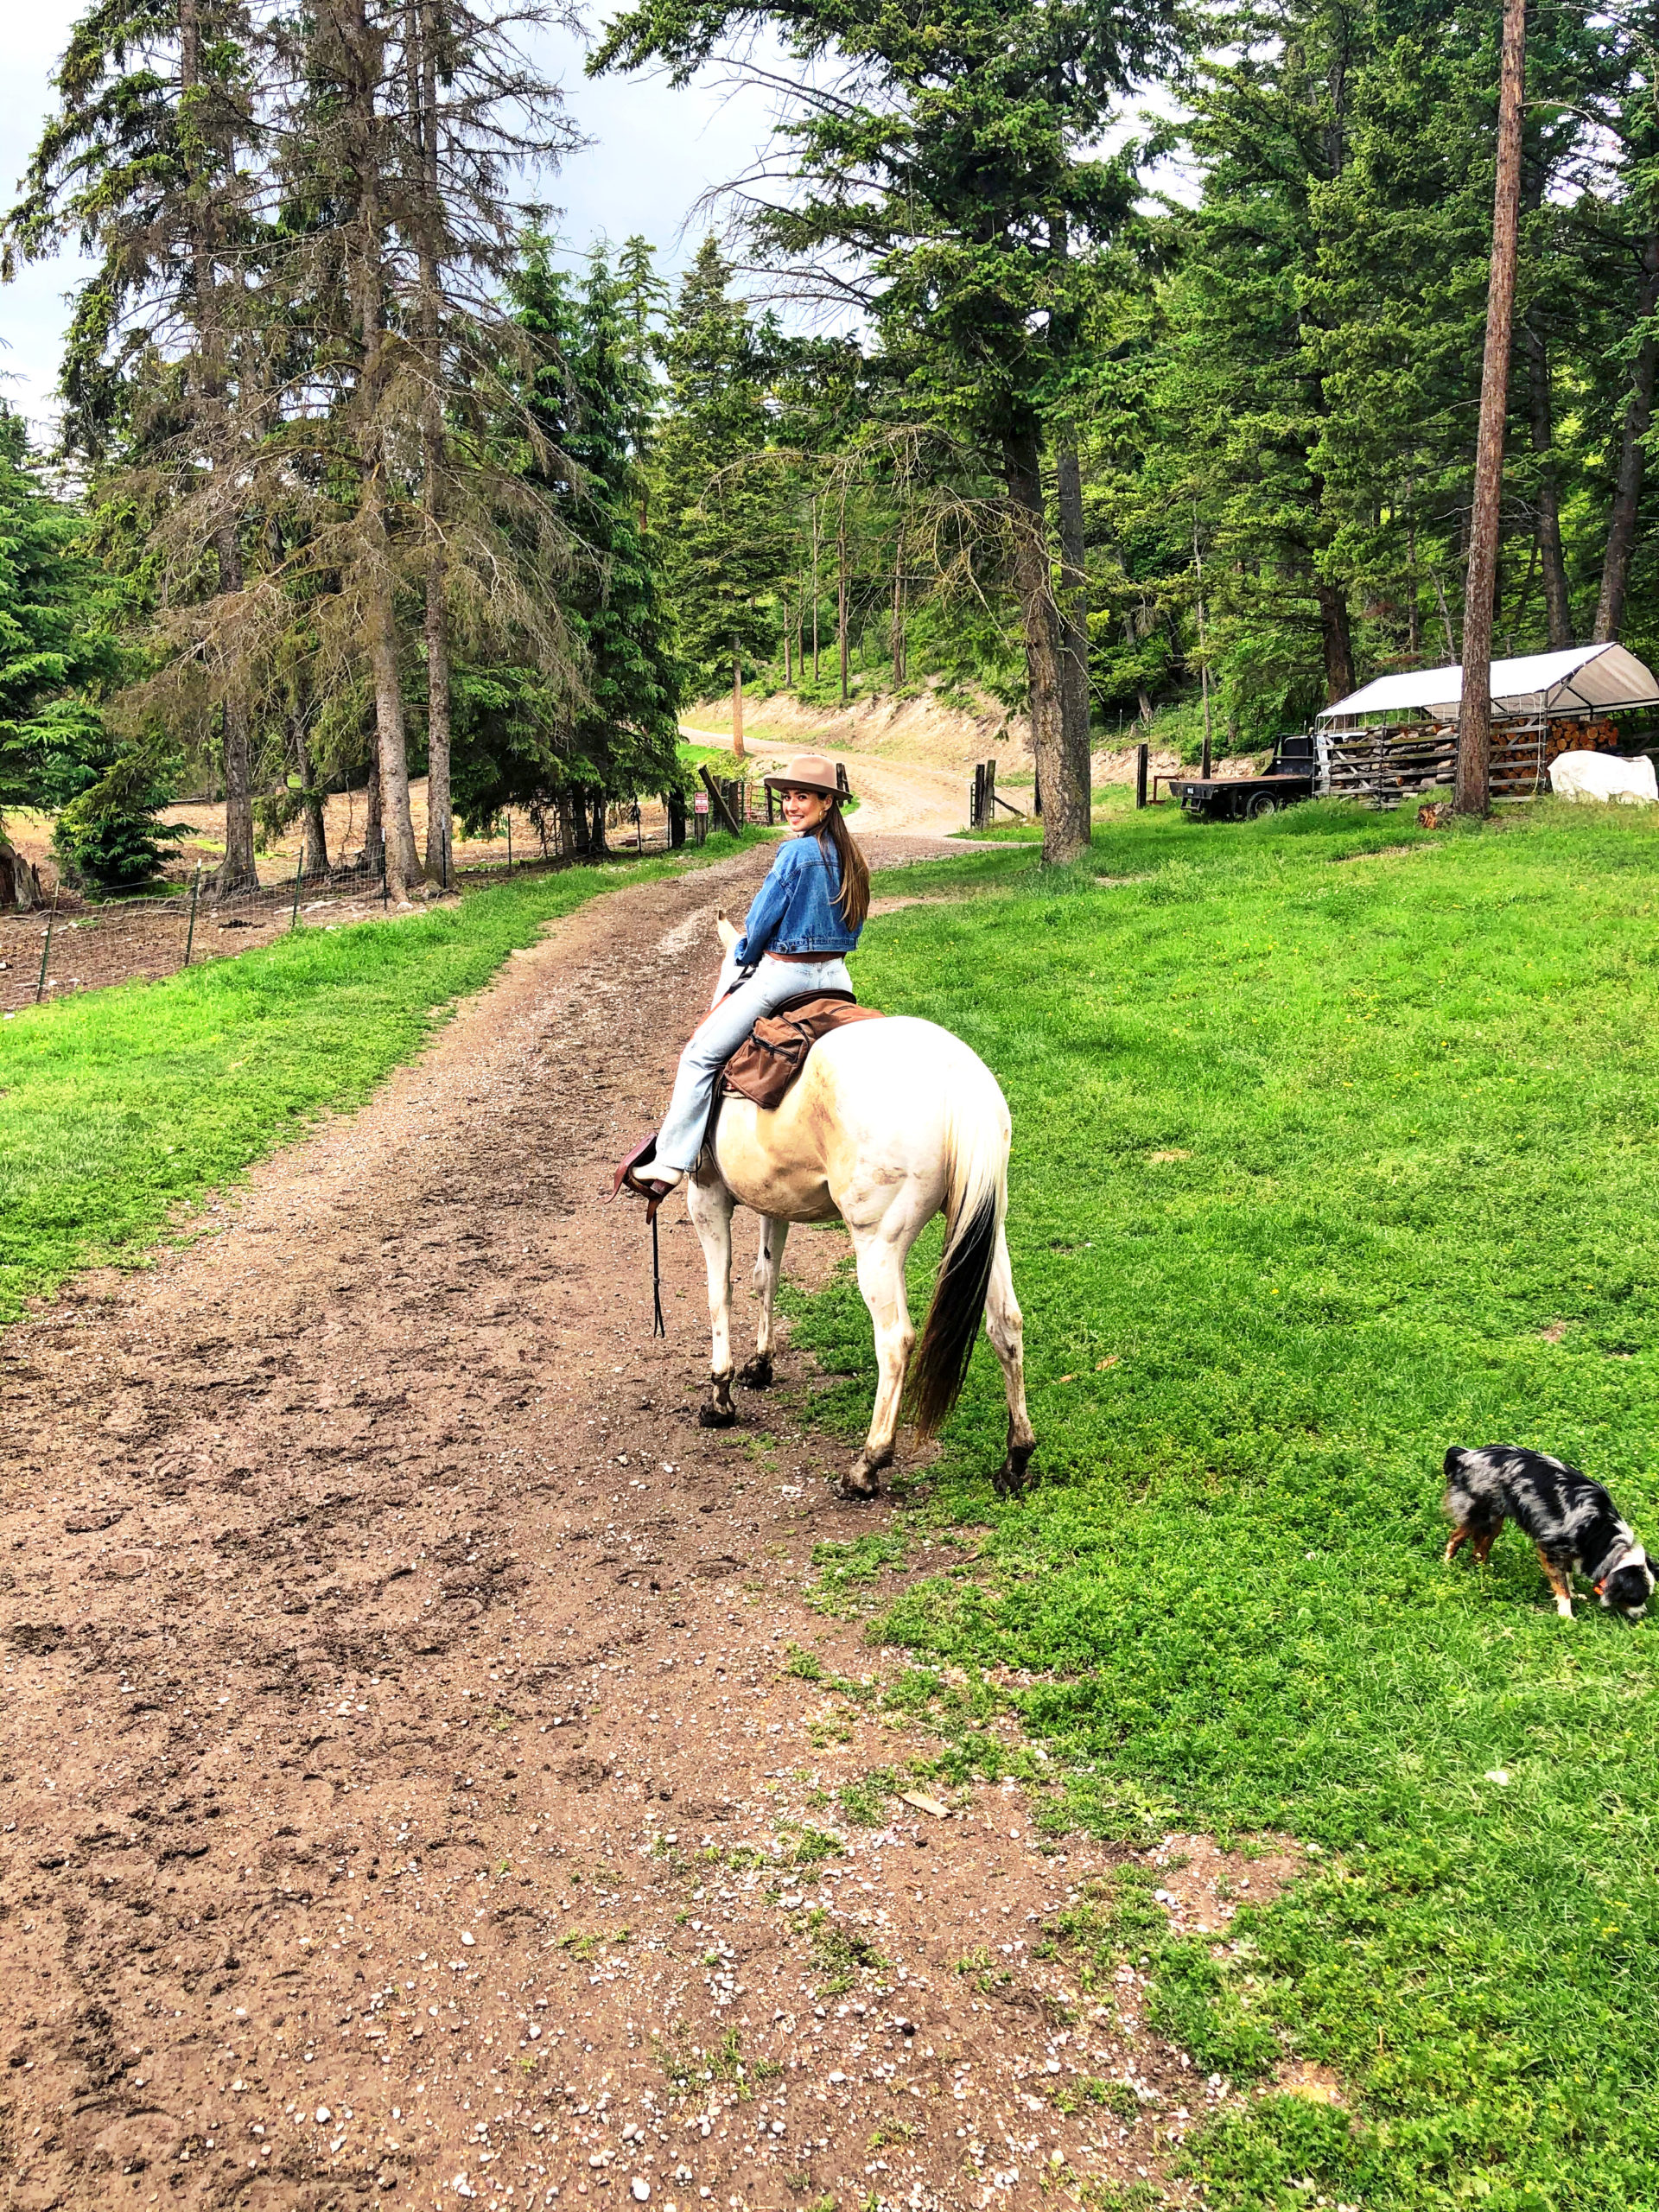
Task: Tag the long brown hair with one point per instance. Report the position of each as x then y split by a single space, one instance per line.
854 896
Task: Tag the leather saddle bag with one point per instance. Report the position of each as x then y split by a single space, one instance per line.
774 1052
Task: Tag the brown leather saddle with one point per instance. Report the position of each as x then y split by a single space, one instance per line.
762 1069
774 1053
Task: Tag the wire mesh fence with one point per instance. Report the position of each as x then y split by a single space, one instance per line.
77 943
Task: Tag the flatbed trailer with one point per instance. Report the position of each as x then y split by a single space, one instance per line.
1287 777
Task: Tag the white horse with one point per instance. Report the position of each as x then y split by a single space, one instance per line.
888 1123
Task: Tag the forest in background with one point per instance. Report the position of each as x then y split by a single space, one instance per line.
1046 400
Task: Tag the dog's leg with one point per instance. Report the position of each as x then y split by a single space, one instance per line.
1459 1538
1560 1583
1482 1546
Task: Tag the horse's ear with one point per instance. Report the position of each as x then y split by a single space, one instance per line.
729 936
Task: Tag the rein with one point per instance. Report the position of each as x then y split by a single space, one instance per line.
658 1328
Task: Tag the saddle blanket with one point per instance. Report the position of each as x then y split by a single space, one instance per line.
774 1052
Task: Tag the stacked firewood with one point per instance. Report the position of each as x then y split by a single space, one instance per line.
1566 736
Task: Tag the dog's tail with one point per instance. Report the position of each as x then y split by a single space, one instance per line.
976 1199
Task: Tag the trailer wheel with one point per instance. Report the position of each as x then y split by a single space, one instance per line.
1258 804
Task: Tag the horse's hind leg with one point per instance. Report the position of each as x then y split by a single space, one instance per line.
881 1256
768 1267
710 1203
1005 1326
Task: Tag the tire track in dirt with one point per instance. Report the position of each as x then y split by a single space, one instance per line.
408 1798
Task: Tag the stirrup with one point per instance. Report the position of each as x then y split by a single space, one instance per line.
629 1176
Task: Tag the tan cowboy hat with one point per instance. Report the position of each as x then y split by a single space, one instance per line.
807 772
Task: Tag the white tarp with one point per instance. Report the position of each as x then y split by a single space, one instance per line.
1604 776
1583 678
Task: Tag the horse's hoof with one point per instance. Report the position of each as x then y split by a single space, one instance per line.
860 1480
757 1375
717 1416
1013 1476
858 1493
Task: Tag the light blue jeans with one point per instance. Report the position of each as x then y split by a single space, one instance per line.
680 1139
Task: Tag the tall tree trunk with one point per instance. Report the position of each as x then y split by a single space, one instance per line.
737 701
1474 794
19 887
424 102
1074 581
315 861
1558 613
360 48
1073 604
841 596
1062 780
1335 638
374 835
236 872
898 612
1632 456
815 591
397 823
789 663
1414 612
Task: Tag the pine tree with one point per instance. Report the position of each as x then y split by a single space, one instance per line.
148 164
52 650
718 505
617 735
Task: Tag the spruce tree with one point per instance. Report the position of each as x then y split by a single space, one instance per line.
718 505
53 649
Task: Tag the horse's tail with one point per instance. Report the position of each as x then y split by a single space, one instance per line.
977 1198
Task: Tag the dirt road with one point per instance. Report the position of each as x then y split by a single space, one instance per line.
423 1766
895 797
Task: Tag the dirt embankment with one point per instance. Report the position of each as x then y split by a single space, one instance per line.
423 1760
923 732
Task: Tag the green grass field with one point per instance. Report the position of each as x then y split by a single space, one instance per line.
117 1106
1335 1144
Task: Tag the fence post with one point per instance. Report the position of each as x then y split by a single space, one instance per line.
190 934
385 880
46 950
509 841
299 878
1140 752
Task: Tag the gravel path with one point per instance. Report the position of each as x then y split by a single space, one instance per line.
414 1789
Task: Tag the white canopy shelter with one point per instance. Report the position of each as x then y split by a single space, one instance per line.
1583 679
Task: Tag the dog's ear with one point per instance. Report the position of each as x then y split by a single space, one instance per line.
1452 1462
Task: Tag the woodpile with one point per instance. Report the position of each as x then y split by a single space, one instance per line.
1388 764
1568 736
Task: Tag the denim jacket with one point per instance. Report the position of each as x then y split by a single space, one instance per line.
794 910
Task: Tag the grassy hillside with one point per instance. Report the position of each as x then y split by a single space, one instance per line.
1326 1157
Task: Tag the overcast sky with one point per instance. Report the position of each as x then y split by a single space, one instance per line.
655 151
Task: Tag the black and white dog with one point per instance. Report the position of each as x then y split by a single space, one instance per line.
1573 1522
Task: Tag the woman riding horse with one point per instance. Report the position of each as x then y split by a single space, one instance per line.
804 921
889 1124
